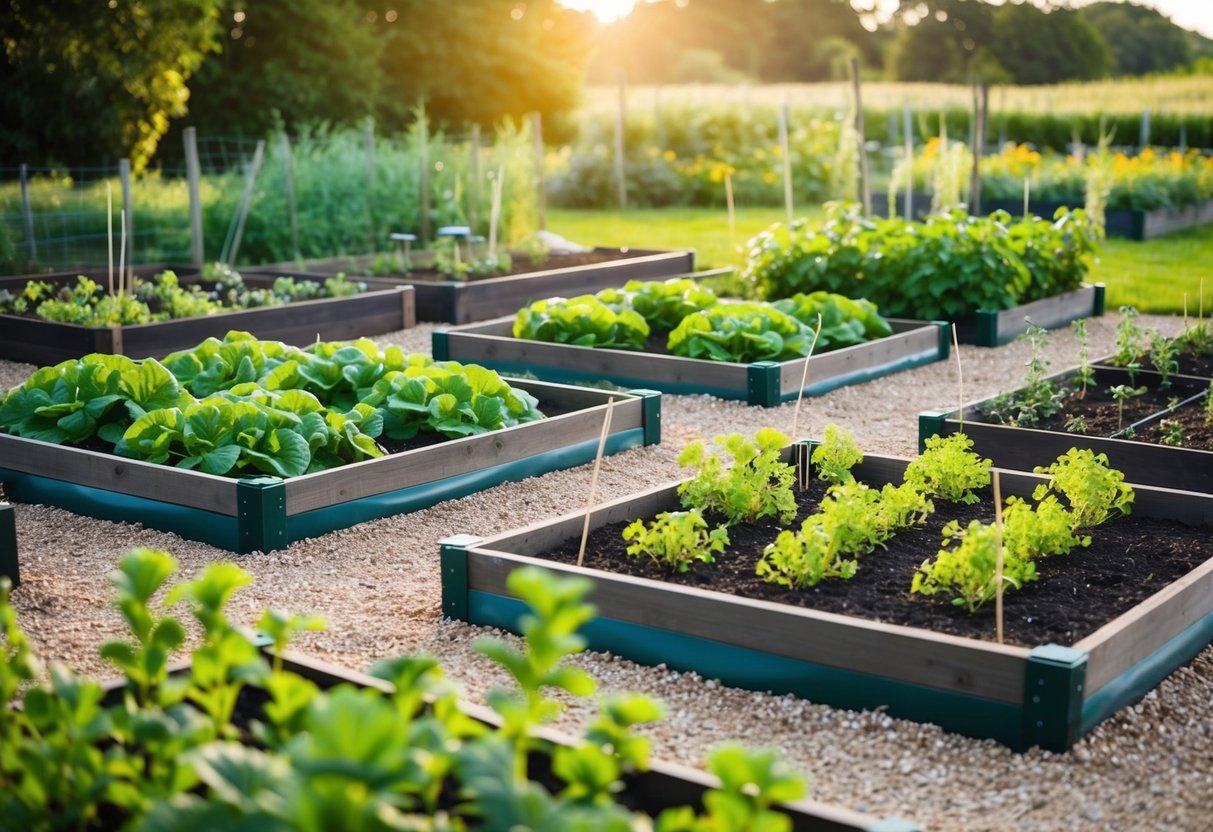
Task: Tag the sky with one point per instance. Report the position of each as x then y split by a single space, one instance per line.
1190 14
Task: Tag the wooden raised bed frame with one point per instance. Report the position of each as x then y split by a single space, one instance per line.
1049 695
765 383
993 328
380 309
464 301
1020 448
266 513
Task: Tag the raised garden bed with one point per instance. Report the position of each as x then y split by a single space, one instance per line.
1143 457
8 544
266 513
993 328
382 308
476 299
1045 694
765 383
1131 224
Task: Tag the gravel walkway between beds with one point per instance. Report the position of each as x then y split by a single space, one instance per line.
1150 767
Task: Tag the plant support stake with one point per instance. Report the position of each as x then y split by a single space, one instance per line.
728 201
109 231
804 379
495 211
585 529
960 381
997 558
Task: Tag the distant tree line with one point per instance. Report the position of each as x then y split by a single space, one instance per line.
86 81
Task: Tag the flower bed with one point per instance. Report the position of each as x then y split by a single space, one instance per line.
1046 694
25 337
476 298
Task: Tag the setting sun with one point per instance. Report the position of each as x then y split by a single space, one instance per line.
605 10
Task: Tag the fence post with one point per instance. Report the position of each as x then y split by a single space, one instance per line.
980 101
865 187
620 174
246 200
908 128
31 245
193 176
423 154
370 182
785 150
288 180
128 208
474 185
1144 139
540 185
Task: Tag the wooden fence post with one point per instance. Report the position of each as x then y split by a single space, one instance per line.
980 102
475 175
193 176
865 186
128 208
27 213
540 160
288 179
785 151
246 200
620 172
370 183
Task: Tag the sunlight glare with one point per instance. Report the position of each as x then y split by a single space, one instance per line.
607 11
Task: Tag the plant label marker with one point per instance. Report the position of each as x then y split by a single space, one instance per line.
997 557
804 378
589 506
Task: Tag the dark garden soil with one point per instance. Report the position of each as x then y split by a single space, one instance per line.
1128 560
1101 415
521 264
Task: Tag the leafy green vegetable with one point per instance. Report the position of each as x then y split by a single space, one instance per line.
844 322
741 332
1095 492
758 484
836 455
664 303
584 320
969 570
949 470
676 539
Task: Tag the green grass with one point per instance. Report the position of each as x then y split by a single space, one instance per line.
1154 276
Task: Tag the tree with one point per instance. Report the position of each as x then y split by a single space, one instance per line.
87 81
292 62
1038 47
479 60
940 40
1140 39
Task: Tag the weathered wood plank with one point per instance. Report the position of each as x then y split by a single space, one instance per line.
1049 313
910 655
129 476
910 339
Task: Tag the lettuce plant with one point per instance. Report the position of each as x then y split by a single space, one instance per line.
758 484
676 540
836 455
844 322
1095 492
949 470
741 332
968 570
664 303
584 320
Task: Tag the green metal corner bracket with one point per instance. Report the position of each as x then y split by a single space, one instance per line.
932 423
8 544
651 415
260 514
1101 301
1052 697
987 328
945 339
453 557
439 346
762 383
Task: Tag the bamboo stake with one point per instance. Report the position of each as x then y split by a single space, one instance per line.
960 381
122 254
998 558
804 378
109 231
585 529
495 211
1026 188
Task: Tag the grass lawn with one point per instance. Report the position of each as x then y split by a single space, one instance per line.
1154 276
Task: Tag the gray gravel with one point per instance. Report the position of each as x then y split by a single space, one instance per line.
377 584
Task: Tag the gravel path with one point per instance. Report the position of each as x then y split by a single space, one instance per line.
377 584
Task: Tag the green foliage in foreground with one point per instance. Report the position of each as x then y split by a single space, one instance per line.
242 406
168 753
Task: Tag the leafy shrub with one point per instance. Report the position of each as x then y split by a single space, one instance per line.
676 539
741 332
758 484
946 267
584 320
405 755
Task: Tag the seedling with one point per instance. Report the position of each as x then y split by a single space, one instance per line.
837 454
758 484
1164 355
1039 398
1095 492
1171 432
949 470
1085 375
1122 393
1129 346
676 540
1077 424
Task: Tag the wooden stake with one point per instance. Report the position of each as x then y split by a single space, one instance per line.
109 231
728 201
804 378
960 380
998 558
495 211
585 529
785 150
1026 189
122 253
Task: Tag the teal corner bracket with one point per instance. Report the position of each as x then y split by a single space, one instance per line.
439 346
260 514
1100 304
650 415
802 457
453 561
945 339
762 383
8 544
1053 686
932 423
987 328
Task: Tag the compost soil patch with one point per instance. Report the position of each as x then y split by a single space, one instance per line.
1129 559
